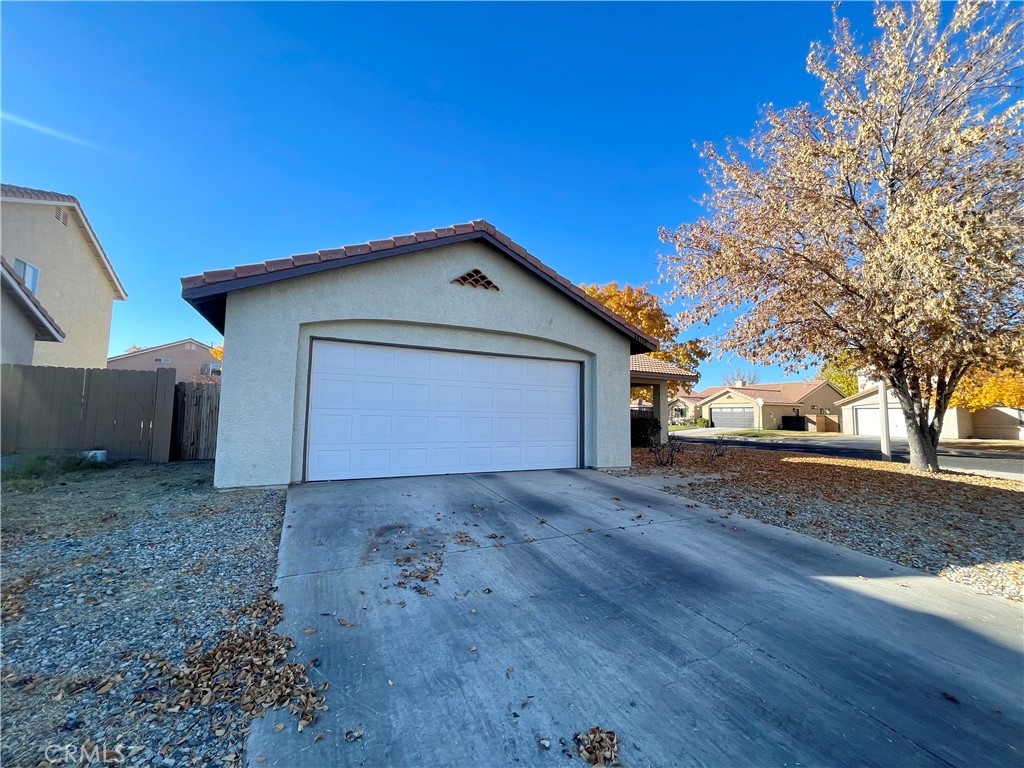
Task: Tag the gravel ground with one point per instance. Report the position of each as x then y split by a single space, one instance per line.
105 573
965 528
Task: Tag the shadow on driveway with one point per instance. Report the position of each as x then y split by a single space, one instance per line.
700 641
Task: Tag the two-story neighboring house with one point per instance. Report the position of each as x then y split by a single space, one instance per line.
191 359
50 245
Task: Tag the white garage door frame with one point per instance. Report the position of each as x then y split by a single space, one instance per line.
580 390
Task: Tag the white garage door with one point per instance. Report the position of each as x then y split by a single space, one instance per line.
869 422
379 411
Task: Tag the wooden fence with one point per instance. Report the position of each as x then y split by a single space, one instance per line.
67 410
196 408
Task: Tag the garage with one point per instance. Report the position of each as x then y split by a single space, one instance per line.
869 422
738 418
386 411
445 351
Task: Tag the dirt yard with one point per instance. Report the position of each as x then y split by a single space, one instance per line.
966 528
138 617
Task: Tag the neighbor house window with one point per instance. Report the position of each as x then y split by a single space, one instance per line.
190 346
163 359
210 369
28 273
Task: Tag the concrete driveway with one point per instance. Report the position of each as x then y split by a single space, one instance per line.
575 599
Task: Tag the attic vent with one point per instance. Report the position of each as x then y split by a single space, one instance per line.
476 279
56 213
64 218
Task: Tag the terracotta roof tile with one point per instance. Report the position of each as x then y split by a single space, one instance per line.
782 393
248 270
647 364
422 236
333 253
305 258
382 245
27 193
277 264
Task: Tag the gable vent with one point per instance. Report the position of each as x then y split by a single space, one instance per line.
476 279
56 213
64 218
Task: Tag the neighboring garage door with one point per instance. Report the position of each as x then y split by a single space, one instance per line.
382 411
869 422
740 418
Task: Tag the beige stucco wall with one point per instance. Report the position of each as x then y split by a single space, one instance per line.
17 333
405 299
999 423
727 399
73 285
186 362
957 423
815 404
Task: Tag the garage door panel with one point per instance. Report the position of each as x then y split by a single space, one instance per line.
507 399
479 397
738 418
375 359
489 414
334 359
336 393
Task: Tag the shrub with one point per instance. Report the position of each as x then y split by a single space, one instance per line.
644 432
702 422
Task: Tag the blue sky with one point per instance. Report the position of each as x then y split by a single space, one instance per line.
209 135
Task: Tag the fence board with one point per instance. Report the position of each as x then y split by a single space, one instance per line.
11 378
196 411
66 410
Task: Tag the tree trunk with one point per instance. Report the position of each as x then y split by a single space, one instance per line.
922 428
924 452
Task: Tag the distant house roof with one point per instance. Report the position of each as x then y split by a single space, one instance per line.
649 367
872 390
783 393
161 346
28 195
46 327
207 292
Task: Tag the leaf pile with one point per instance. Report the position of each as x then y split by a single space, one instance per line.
12 606
597 746
964 527
247 667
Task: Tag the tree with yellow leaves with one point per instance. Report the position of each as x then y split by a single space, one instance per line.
889 224
645 310
982 389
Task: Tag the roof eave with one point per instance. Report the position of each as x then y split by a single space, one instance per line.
120 294
46 329
210 300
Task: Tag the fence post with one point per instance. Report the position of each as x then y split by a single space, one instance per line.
11 377
163 415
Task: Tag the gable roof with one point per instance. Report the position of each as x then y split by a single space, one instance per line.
651 368
17 194
207 292
872 390
161 346
783 393
46 327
